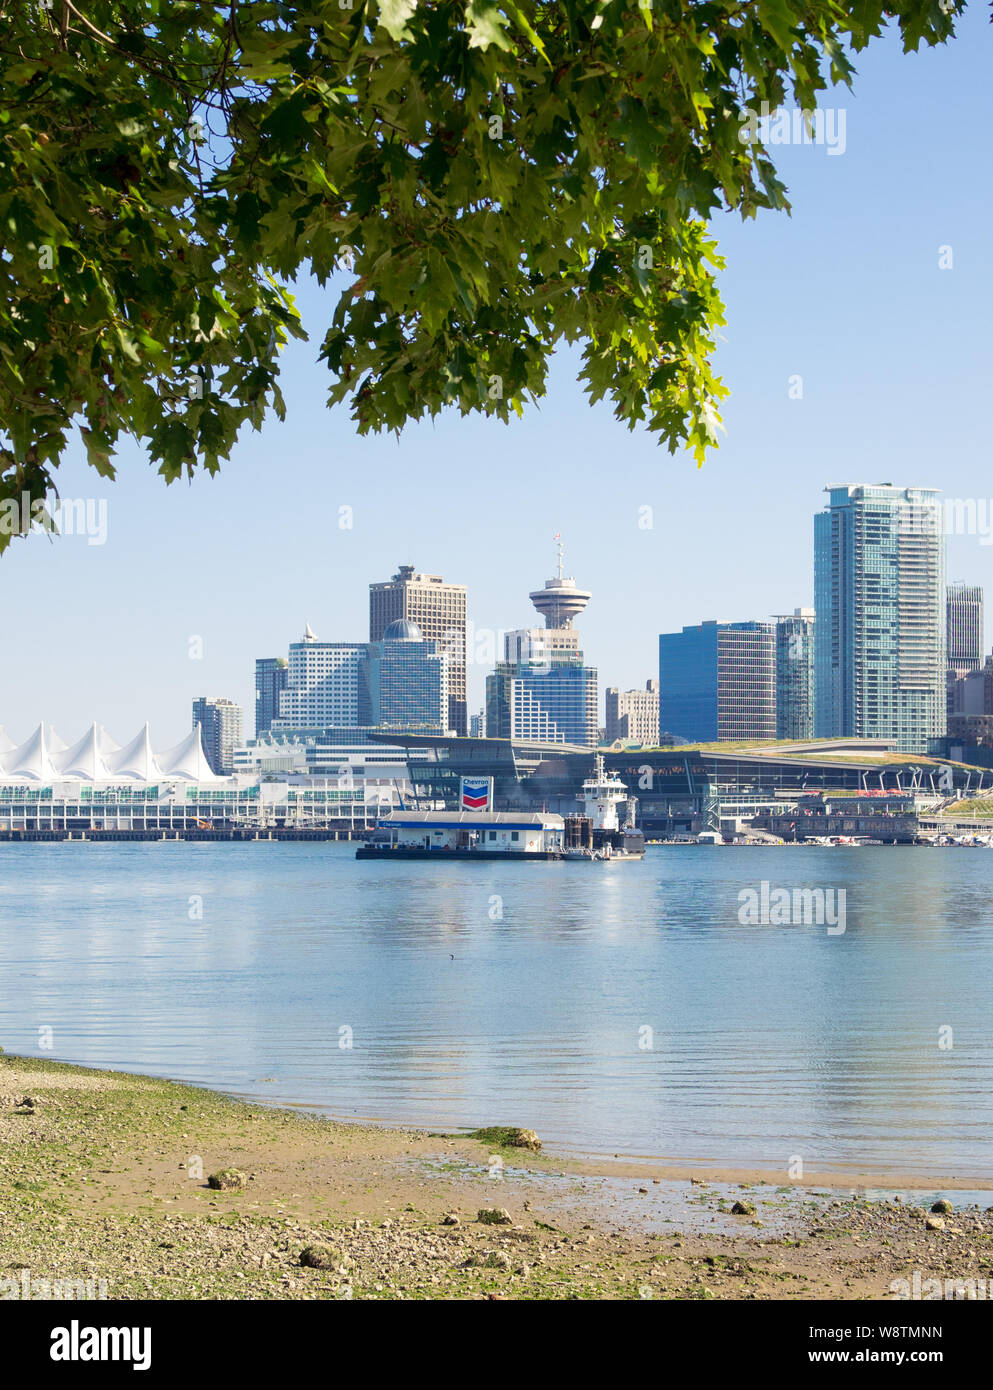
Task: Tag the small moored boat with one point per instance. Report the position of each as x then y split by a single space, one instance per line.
598 834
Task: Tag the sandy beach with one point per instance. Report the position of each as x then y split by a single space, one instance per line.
105 1177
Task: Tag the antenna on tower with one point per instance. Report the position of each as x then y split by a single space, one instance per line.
558 537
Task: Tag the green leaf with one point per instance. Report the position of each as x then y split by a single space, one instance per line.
395 15
486 26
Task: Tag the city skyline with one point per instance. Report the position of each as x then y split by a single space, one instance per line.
743 702
493 640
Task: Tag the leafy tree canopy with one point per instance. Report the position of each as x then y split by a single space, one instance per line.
491 178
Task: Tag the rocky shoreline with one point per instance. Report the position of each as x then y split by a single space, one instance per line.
138 1188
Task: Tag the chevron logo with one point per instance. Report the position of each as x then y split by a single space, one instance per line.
475 793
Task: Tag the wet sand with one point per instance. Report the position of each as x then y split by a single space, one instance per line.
104 1176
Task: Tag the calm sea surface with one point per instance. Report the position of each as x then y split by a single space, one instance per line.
616 1009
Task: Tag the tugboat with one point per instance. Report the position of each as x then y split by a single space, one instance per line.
597 833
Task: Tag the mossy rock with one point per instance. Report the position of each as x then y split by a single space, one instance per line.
494 1216
943 1206
227 1179
507 1137
320 1257
742 1209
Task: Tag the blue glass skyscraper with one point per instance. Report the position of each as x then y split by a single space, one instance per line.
718 682
879 595
403 681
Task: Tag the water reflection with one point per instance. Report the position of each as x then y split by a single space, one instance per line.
620 1009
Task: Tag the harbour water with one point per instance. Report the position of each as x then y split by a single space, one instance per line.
630 1009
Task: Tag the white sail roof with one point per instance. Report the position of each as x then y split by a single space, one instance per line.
96 757
136 759
87 759
187 759
31 759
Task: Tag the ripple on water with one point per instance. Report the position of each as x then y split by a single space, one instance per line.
627 1011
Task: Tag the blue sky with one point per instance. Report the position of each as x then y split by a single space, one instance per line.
895 359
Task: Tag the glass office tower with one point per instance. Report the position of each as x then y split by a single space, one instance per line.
439 610
718 682
964 628
879 594
403 682
271 673
795 675
542 690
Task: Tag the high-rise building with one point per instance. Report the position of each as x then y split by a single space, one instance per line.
547 701
963 645
718 682
879 643
403 682
322 685
477 725
219 722
964 627
795 674
270 682
633 715
439 611
969 696
542 689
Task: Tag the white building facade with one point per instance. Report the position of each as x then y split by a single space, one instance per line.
322 685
